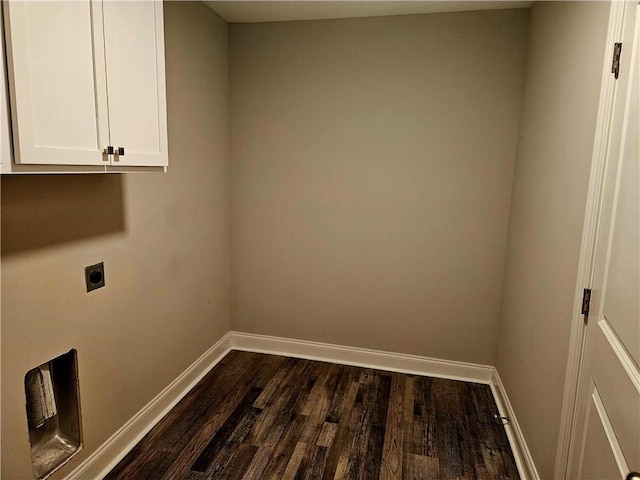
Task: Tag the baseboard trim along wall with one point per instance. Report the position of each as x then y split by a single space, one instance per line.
362 357
107 456
521 452
100 462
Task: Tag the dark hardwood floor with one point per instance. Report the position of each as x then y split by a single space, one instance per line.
258 416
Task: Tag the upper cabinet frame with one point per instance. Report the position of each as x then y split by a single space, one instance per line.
87 85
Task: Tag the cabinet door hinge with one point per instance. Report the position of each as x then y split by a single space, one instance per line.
615 64
586 302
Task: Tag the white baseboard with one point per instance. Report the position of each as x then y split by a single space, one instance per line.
107 456
102 460
521 452
362 357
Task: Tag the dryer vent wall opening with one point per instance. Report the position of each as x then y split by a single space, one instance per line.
53 413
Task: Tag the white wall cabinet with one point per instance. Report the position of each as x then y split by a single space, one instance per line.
86 78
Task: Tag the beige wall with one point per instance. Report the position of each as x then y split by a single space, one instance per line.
562 83
371 181
164 241
372 163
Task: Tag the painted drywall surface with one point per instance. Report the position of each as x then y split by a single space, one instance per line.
565 55
5 133
165 248
371 170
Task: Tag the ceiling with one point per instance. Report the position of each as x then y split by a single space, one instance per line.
241 11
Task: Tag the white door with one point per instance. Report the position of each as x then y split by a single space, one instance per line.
57 81
607 440
134 50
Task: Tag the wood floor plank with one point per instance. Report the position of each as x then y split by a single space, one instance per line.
265 417
451 436
195 476
327 385
340 445
239 463
261 459
222 436
280 406
284 449
495 452
318 389
338 401
218 460
275 381
391 466
317 464
377 429
356 464
327 434
294 462
276 417
420 421
163 444
407 421
227 455
420 467
317 410
342 466
196 439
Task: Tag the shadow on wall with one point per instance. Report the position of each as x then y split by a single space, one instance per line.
39 211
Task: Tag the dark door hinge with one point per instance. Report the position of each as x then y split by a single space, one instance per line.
586 302
615 65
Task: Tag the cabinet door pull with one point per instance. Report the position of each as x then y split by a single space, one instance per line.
121 151
109 150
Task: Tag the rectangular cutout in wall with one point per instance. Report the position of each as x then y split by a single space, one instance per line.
53 413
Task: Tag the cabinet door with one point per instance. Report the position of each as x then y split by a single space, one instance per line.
134 50
57 82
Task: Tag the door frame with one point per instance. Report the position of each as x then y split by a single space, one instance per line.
604 121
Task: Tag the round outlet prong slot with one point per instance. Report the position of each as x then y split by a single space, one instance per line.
95 276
